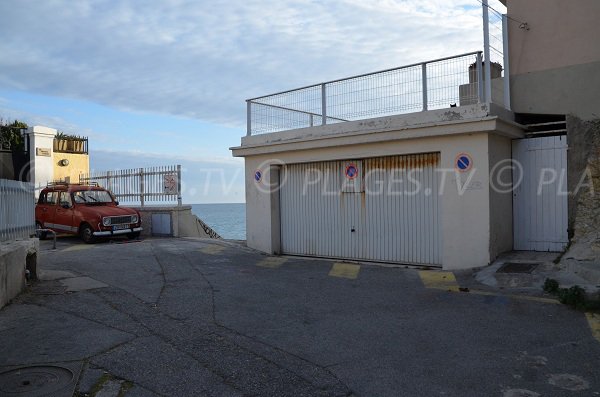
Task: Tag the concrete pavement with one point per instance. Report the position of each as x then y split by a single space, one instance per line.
199 317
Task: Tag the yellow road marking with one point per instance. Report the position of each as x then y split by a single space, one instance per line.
344 270
79 247
212 249
594 322
438 280
271 262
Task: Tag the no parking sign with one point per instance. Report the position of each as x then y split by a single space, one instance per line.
463 162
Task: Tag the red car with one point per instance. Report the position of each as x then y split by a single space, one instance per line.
89 211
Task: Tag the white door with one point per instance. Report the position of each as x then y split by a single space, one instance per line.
540 196
380 209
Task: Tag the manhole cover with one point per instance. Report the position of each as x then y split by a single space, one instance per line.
514 267
34 381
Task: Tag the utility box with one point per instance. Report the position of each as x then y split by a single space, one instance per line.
161 224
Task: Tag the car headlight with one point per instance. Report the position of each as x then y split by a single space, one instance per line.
134 219
106 221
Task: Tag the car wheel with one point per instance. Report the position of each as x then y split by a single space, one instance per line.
87 234
41 235
133 236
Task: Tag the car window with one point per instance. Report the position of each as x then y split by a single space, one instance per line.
92 196
42 198
65 199
51 198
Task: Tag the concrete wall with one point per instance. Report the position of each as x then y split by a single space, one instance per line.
78 164
13 261
41 155
501 225
555 65
183 222
467 227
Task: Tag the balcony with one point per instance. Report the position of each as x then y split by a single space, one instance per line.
70 144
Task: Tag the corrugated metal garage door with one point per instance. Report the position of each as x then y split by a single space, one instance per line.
540 196
382 209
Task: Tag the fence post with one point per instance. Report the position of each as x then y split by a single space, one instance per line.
506 62
479 78
108 181
248 118
486 52
323 104
179 185
424 82
142 186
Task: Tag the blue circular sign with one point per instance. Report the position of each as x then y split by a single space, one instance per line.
463 162
257 176
351 171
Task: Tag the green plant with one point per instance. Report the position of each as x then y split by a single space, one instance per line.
10 135
551 286
574 297
60 135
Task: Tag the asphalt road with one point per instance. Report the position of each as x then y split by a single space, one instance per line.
183 317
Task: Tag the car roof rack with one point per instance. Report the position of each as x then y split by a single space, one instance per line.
62 183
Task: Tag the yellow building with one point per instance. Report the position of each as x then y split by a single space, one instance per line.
71 158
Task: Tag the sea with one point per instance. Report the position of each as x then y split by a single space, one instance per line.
229 220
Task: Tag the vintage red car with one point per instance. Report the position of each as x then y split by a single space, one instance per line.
89 211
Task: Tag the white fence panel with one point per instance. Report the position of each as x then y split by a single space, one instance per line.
540 197
17 210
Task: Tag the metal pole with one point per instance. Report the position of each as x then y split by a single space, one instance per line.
479 78
179 185
506 61
311 119
142 187
424 82
323 104
248 118
486 52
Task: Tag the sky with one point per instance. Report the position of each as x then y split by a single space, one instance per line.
164 82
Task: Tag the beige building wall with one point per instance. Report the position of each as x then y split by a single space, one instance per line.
78 164
476 221
555 65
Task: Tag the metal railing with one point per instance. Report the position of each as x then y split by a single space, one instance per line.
495 48
71 145
17 210
412 88
140 185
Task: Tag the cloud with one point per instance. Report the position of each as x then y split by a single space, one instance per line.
203 59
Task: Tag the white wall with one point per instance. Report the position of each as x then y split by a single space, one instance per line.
465 197
42 167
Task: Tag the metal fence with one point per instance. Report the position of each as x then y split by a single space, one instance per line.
17 210
495 48
412 88
141 185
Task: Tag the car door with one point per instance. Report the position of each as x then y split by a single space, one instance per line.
45 209
63 218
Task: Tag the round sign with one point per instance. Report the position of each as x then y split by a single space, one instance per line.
351 171
257 175
463 162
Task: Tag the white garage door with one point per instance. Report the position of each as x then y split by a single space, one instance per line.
381 209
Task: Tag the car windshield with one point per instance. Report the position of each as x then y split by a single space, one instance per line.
92 196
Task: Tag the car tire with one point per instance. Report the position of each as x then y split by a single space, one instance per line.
133 236
87 233
41 235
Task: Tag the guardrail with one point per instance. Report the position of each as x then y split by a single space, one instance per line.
17 210
406 89
140 185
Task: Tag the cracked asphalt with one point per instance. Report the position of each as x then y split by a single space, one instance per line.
191 317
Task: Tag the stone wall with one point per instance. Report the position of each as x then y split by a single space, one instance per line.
584 183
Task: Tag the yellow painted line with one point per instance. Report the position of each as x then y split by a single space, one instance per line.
438 280
79 247
344 270
272 262
594 322
212 249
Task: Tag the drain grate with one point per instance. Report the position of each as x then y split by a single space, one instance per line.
33 381
516 267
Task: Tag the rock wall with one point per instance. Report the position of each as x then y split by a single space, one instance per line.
584 183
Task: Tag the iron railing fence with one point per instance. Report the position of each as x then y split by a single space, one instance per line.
140 185
77 145
495 48
412 88
17 210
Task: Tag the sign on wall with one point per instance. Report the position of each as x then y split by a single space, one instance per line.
170 184
43 152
